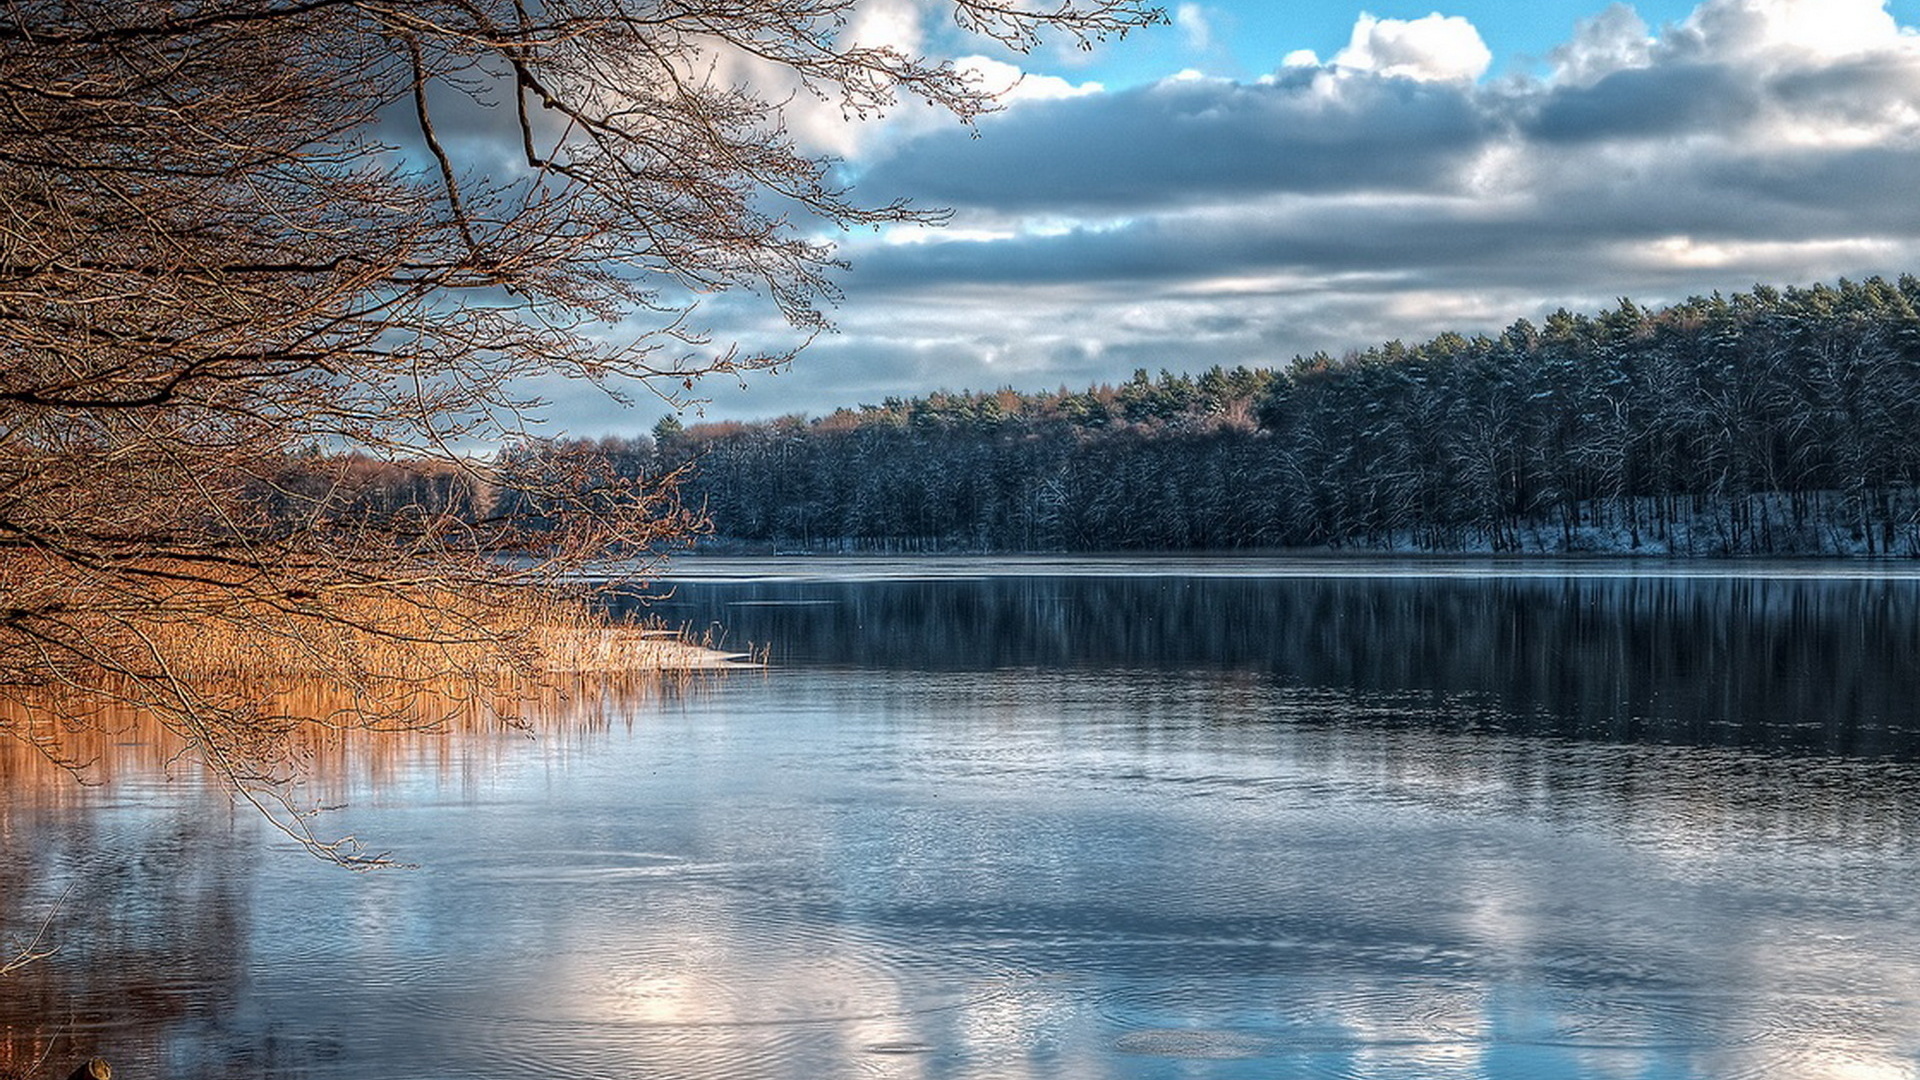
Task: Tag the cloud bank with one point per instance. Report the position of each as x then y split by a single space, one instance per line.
1391 190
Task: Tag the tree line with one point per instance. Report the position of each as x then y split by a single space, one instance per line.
1775 421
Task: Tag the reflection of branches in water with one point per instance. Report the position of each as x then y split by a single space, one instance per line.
149 938
182 964
56 741
204 667
269 737
32 949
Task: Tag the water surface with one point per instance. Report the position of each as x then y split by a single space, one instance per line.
1007 821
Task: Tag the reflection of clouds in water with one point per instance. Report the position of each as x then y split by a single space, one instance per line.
1846 1065
1609 943
1469 933
1319 1026
1118 872
1809 1055
1021 1035
764 991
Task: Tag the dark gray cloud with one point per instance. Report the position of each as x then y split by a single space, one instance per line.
1875 91
1847 191
1573 227
1646 103
1183 141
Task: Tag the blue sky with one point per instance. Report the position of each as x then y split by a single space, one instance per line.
1263 180
1252 36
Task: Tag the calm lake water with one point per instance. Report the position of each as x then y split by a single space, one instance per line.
1028 818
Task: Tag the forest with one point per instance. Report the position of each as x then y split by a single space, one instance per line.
1775 421
1771 421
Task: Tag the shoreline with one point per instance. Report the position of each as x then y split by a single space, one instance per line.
1281 563
628 651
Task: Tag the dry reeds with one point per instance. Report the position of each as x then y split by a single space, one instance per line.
254 685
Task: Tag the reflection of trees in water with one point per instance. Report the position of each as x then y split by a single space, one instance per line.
1811 664
151 929
1254 741
1180 908
112 742
155 933
150 910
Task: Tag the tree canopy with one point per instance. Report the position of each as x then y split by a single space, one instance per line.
249 246
1777 421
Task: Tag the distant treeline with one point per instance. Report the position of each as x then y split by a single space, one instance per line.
1775 421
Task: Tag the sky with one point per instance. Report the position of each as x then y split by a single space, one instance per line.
1264 180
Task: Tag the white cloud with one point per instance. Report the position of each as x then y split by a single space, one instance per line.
1435 48
894 24
1822 29
824 125
1614 40
1686 252
1010 84
1830 73
1191 20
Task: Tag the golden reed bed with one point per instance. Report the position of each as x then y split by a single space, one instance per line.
270 697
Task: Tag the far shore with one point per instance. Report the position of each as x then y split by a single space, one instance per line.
719 566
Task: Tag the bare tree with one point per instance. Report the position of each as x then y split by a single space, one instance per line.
243 254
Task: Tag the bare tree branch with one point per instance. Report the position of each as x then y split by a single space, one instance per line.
269 312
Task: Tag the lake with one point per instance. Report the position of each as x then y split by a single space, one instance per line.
1066 818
